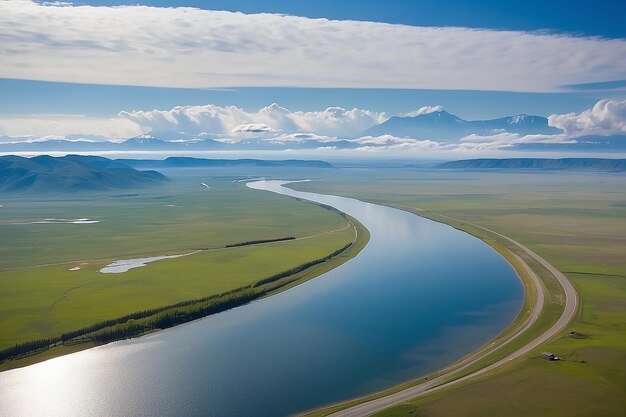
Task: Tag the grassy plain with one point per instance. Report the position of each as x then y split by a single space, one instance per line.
40 297
576 221
176 218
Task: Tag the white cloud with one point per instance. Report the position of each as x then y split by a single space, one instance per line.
252 128
393 143
278 125
208 121
606 117
337 121
304 137
186 47
503 137
193 119
234 121
424 110
386 140
505 140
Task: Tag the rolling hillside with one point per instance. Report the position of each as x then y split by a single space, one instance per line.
71 173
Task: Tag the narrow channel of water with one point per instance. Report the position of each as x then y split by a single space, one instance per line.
419 296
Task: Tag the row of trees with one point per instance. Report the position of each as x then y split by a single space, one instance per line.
173 316
27 348
256 242
301 267
163 317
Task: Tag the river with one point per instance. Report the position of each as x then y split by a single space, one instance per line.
419 296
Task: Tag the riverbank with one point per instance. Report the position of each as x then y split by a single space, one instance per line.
574 221
357 321
61 290
531 328
149 321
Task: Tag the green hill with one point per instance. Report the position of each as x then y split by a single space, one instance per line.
71 173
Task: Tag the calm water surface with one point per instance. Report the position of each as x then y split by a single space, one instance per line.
419 296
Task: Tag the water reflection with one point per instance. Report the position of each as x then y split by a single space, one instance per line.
419 296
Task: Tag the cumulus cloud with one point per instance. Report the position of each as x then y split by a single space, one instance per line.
236 122
606 117
275 125
186 47
337 120
190 119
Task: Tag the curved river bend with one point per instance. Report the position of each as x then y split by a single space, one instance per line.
419 296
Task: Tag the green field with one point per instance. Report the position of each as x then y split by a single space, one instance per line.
575 221
176 218
41 297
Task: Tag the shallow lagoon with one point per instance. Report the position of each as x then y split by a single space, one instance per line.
123 265
419 296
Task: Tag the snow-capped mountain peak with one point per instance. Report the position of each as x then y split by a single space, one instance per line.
519 118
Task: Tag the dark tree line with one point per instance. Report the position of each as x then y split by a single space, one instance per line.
27 348
300 268
140 322
256 242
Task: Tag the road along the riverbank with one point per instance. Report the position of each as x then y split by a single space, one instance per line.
439 382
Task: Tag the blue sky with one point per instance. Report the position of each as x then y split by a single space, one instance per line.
40 97
75 68
573 16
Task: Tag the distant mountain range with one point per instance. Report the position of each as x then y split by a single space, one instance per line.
578 164
132 144
184 162
443 126
72 173
439 126
153 143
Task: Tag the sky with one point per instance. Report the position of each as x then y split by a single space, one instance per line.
567 16
110 69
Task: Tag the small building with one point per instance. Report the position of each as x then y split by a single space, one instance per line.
549 356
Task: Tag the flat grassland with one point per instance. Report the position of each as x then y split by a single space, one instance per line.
41 297
577 222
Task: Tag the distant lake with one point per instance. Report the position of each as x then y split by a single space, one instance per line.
419 296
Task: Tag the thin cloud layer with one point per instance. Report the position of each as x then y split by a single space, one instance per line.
506 140
43 126
607 117
186 47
